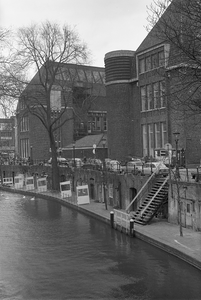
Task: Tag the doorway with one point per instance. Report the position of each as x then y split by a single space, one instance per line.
133 193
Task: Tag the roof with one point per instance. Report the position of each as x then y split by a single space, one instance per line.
88 141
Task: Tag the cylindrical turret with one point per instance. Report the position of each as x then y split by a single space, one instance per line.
119 91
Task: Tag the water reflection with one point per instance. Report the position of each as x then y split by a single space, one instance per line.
51 252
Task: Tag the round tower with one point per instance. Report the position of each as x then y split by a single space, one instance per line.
119 90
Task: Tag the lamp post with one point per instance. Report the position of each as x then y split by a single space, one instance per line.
74 155
177 177
73 183
31 155
176 136
104 174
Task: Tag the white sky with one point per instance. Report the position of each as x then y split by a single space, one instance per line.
105 25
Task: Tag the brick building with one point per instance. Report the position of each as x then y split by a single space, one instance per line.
142 113
85 110
7 138
130 100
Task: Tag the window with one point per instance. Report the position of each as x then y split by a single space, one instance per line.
150 103
151 139
24 124
153 96
24 148
148 63
163 134
144 140
55 100
162 93
157 135
161 58
154 61
104 123
154 136
156 95
98 123
143 98
188 208
142 65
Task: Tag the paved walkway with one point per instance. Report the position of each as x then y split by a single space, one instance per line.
159 233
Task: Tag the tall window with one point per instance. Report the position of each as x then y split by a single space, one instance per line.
150 104
98 123
104 123
162 93
24 124
55 100
154 136
151 139
24 148
154 61
142 65
161 58
157 135
163 133
153 96
148 63
144 140
156 95
143 98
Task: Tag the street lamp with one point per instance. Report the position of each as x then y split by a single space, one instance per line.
176 137
74 154
177 177
31 155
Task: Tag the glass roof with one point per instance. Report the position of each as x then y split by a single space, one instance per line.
86 75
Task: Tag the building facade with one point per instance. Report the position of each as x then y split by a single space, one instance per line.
7 139
84 114
142 115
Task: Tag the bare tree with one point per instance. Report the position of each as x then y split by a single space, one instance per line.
178 23
10 88
45 49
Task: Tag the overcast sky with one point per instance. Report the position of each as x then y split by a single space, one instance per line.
105 25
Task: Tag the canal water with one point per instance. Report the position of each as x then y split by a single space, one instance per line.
48 251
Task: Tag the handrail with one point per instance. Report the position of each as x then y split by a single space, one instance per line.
152 175
154 196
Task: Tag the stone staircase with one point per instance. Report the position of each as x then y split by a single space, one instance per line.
154 200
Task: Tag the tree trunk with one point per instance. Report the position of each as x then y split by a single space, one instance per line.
55 167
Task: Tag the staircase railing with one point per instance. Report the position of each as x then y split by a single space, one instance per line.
149 203
143 187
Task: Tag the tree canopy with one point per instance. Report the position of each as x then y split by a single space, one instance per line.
44 50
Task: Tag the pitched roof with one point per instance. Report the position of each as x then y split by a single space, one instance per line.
88 141
154 37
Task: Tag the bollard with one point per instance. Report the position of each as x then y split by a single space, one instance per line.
112 219
131 227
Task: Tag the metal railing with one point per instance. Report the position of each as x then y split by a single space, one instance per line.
143 188
151 200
